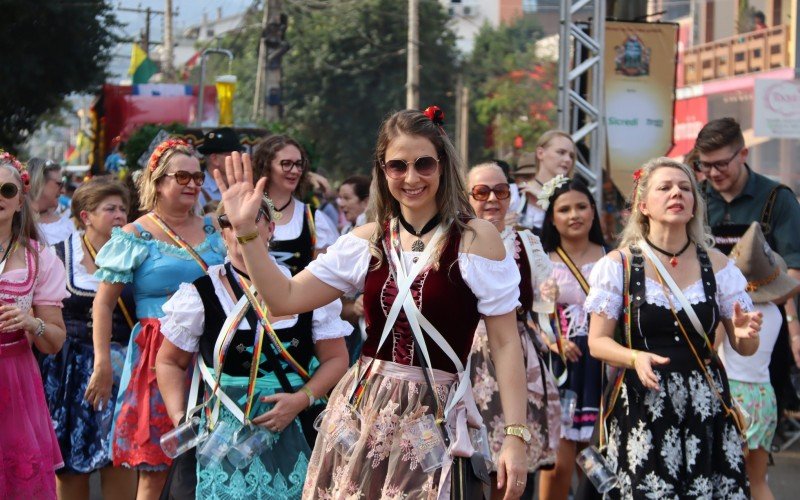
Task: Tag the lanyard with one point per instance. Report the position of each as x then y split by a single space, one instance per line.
120 302
178 240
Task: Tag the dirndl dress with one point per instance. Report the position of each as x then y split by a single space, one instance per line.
29 453
156 269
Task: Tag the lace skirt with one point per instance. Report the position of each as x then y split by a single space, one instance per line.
29 451
677 442
84 434
383 465
544 407
279 472
140 417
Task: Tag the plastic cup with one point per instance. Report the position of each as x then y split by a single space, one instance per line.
596 469
543 300
216 447
480 442
183 437
249 442
342 428
426 438
569 402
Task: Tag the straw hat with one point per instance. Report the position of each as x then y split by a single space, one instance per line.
526 164
764 269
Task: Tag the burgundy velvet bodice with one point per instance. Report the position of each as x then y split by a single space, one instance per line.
525 284
443 298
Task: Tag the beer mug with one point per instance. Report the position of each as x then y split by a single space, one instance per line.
544 296
569 402
249 442
216 447
226 88
183 438
343 429
480 443
596 469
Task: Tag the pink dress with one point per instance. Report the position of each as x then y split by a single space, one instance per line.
29 452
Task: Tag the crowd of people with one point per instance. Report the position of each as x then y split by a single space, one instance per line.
428 331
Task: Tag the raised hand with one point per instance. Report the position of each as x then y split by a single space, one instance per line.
241 198
746 325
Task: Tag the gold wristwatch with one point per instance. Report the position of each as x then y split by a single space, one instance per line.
519 430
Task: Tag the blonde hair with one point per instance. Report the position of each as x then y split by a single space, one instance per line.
544 141
638 225
152 175
451 197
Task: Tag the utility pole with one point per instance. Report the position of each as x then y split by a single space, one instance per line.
146 35
412 70
462 121
261 68
167 65
267 99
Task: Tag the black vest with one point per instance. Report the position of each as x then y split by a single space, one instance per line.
238 359
298 253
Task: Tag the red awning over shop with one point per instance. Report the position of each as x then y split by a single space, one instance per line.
690 116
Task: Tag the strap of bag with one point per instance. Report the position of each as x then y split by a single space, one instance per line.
574 270
766 212
178 240
120 303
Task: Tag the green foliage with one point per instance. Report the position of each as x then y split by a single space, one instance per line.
51 48
513 92
140 140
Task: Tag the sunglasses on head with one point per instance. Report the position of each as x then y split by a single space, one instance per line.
397 169
482 192
288 165
9 190
224 222
182 177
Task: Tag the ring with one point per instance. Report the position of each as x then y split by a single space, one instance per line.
520 483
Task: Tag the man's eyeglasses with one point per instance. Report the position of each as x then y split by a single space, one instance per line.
288 165
424 165
721 165
224 222
182 177
482 192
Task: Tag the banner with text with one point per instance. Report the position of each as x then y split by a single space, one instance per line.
776 108
640 64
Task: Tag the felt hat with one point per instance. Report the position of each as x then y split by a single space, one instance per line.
526 164
764 269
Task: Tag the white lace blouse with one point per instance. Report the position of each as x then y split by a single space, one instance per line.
326 229
184 322
605 294
494 282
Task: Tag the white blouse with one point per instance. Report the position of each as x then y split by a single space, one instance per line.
81 277
58 231
326 229
605 294
184 321
494 282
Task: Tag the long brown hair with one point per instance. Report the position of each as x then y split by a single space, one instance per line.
264 153
451 197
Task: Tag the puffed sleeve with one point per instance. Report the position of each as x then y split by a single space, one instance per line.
119 257
51 282
605 289
326 230
344 265
327 322
731 288
495 296
183 321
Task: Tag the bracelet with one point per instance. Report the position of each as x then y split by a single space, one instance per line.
790 318
247 237
39 328
311 398
634 354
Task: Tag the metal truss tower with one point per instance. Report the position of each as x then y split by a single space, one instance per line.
581 109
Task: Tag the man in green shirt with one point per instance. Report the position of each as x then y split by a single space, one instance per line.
737 196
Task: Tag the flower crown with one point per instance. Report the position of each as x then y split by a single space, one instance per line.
162 148
548 188
7 157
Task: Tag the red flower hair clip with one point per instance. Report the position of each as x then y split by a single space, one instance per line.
162 148
435 114
7 157
637 175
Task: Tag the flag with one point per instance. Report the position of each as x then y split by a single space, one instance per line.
71 155
142 67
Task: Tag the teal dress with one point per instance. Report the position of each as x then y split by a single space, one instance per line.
156 269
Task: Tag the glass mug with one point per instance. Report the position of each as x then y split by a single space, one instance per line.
183 438
343 429
569 402
427 441
596 469
544 300
216 446
249 442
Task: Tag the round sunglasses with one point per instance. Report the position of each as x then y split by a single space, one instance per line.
424 165
482 192
182 177
9 190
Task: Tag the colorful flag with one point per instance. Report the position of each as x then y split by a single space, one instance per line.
142 67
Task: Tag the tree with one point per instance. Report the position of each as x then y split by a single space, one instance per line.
514 92
50 49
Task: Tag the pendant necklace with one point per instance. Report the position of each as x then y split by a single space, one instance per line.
279 211
673 261
418 245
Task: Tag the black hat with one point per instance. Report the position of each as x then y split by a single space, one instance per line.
220 140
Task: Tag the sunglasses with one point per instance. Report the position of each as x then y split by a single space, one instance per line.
182 177
397 169
721 166
482 192
288 165
225 223
9 190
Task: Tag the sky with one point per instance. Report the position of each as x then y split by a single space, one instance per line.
189 12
